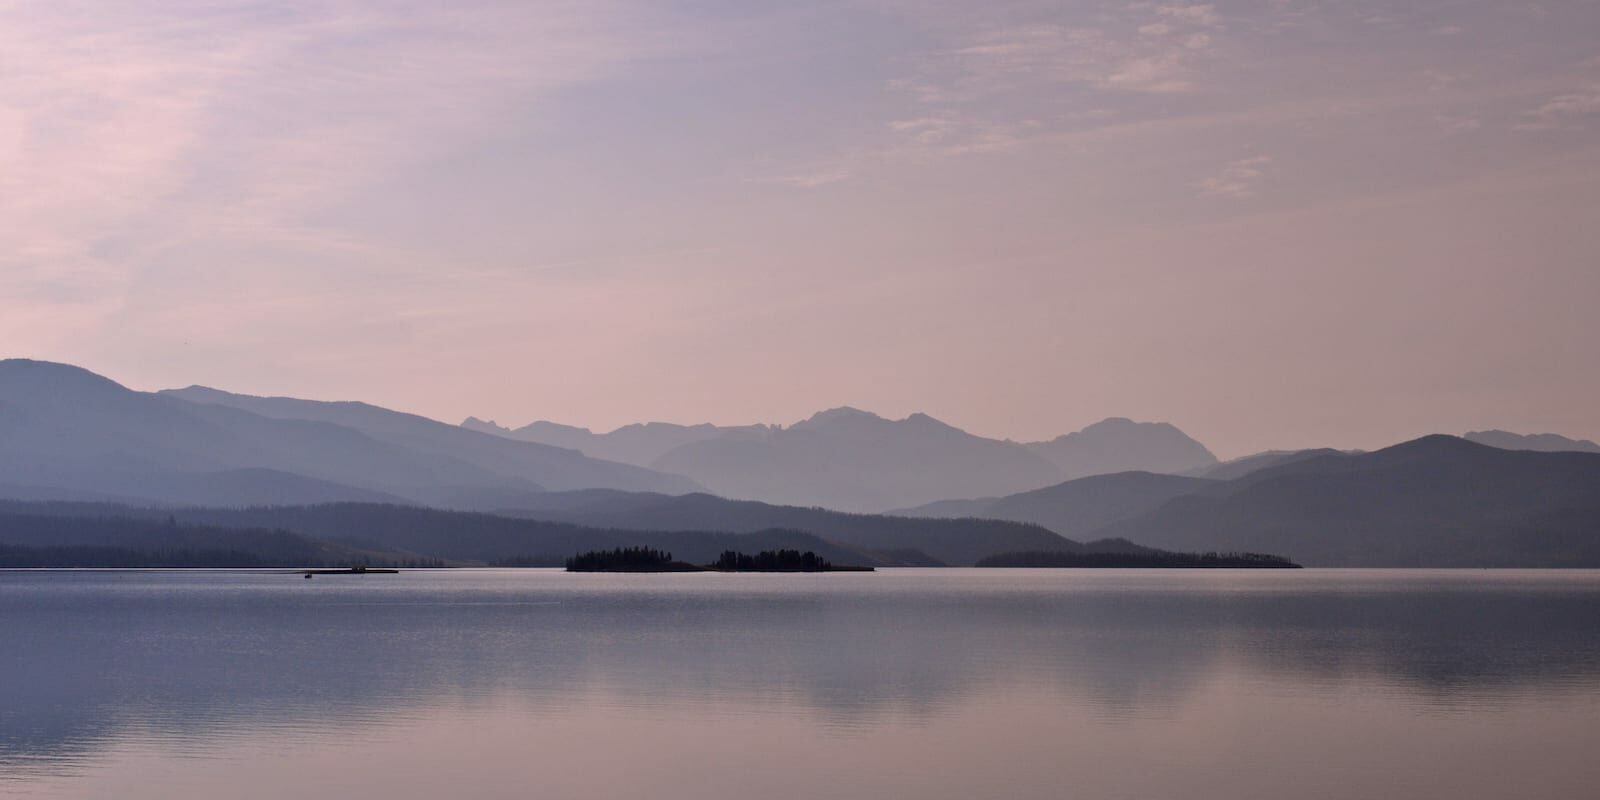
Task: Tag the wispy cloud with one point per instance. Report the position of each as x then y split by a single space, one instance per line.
1134 55
1203 15
813 178
973 89
1236 179
126 128
1556 111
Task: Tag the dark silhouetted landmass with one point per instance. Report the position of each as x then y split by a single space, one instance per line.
779 561
1438 501
457 538
1542 442
87 556
73 535
628 559
648 559
1146 560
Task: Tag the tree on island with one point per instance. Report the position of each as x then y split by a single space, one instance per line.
646 559
619 558
772 561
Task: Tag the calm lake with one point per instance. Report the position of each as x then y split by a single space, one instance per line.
946 683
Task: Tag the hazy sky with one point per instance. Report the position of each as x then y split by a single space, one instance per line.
1272 222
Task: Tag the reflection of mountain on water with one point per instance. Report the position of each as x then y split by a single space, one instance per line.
191 657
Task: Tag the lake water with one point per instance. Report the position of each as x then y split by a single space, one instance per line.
896 684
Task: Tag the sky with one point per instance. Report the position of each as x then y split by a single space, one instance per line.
1274 223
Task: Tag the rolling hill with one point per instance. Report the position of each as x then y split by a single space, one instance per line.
1436 501
1074 508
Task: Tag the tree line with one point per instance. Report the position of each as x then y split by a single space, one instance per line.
772 561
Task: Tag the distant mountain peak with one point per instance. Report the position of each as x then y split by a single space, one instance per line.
834 416
484 426
1119 444
844 412
1544 442
1114 422
1435 443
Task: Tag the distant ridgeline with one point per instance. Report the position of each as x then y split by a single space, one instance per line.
647 559
1155 559
45 540
99 557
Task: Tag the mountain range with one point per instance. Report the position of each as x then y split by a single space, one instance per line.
854 460
1432 502
66 433
372 480
1542 442
1435 501
640 444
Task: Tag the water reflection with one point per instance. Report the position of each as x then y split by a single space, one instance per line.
199 664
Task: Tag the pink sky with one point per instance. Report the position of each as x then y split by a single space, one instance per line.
1274 223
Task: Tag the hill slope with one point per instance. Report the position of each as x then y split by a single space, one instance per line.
1075 508
1543 442
549 467
955 542
1435 501
1240 467
67 433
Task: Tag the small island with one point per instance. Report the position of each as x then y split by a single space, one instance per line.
1155 559
648 559
628 559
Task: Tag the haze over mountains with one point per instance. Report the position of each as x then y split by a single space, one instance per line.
66 433
854 460
70 435
640 444
1542 442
